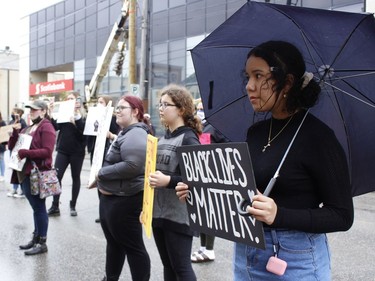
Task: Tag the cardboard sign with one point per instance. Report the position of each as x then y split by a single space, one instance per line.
63 111
148 193
101 138
92 120
219 176
23 142
5 132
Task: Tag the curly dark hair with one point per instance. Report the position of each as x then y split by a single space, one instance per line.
285 60
183 99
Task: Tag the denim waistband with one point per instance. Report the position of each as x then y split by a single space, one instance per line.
267 229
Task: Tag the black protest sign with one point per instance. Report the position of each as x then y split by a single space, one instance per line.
219 176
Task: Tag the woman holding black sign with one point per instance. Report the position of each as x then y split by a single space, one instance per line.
170 222
312 194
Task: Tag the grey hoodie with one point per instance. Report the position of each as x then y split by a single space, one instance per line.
169 212
123 168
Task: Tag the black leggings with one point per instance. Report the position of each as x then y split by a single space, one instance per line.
61 164
207 241
174 250
119 218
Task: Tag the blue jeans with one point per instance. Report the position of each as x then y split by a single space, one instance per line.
39 209
307 256
2 164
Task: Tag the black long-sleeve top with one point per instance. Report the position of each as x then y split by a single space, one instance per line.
70 139
313 191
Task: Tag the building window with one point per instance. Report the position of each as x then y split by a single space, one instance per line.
51 13
195 18
79 75
175 3
90 21
80 22
177 23
69 6
159 71
33 20
103 14
41 34
50 32
60 10
41 16
177 58
215 14
159 5
159 23
79 47
190 44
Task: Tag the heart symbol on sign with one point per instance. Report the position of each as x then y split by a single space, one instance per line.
193 217
251 194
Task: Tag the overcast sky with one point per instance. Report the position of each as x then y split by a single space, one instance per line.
11 13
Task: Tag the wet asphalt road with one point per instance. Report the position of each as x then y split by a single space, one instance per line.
76 245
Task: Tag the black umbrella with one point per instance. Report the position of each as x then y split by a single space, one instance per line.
338 47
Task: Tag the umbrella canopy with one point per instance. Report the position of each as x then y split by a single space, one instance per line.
338 48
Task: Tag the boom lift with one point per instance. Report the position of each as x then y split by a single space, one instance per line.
117 33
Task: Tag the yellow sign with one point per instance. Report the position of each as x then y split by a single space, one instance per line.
148 194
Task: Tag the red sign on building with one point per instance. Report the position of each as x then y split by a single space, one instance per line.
44 88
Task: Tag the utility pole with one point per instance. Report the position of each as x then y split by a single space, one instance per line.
132 42
143 71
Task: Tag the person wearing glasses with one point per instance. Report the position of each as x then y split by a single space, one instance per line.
120 182
173 236
70 146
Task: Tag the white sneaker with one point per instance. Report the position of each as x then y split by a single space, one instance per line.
19 195
2 178
12 193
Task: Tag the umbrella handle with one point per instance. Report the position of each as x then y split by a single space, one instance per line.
270 185
241 207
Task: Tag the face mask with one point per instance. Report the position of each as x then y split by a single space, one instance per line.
200 114
36 120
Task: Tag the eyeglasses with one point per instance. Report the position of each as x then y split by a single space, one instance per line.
121 107
164 105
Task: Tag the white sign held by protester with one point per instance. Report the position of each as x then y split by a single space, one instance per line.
92 120
101 138
23 142
5 132
64 111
